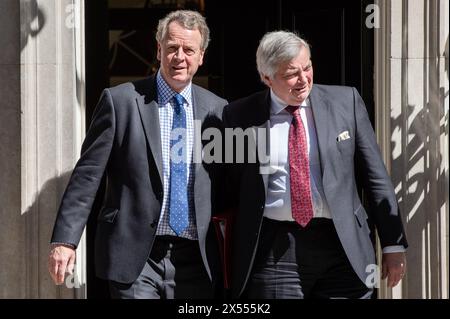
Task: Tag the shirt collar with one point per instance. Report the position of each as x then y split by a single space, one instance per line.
278 105
166 93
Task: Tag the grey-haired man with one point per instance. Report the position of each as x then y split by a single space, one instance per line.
300 230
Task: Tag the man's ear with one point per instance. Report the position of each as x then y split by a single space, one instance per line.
158 52
267 81
200 61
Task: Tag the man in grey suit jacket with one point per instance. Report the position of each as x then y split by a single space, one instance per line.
299 229
153 238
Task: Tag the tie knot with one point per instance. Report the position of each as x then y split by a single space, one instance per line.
178 98
292 108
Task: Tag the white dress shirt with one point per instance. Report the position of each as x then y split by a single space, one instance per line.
278 198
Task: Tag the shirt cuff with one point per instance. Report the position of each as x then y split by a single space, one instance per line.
394 249
63 244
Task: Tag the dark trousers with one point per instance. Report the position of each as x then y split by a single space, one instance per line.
295 262
174 270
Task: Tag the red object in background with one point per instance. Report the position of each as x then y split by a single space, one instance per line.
223 224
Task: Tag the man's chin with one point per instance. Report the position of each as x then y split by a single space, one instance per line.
297 100
179 78
179 81
303 96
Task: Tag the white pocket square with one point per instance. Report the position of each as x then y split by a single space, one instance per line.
343 136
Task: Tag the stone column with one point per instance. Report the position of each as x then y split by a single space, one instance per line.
42 126
412 87
12 256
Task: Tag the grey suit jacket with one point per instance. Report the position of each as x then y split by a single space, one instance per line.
123 143
336 109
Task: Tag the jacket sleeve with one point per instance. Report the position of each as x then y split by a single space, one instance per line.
86 177
376 181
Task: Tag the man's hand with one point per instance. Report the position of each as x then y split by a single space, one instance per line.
393 267
60 261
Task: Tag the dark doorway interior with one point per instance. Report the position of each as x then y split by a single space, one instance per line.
342 47
120 46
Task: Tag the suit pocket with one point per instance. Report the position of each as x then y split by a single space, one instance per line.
107 214
345 147
361 217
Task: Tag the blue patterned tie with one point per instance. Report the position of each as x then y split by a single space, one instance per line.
178 207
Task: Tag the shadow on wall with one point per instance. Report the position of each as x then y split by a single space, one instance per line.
417 150
32 21
42 213
446 59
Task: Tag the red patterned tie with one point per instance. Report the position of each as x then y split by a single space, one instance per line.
301 203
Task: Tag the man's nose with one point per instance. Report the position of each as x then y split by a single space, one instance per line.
302 77
179 54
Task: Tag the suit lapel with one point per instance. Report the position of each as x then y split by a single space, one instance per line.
148 109
202 184
200 110
262 131
321 111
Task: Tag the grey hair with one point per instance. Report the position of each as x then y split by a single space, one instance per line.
276 48
188 19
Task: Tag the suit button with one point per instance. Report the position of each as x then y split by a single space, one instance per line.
153 225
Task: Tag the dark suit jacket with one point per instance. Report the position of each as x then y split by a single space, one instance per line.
335 110
123 143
